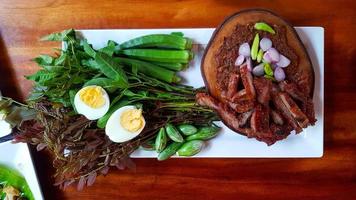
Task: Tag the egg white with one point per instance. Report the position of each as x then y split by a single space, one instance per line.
116 132
87 111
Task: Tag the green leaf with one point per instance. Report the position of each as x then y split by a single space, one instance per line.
43 60
37 93
72 94
88 48
108 84
61 59
90 63
42 76
65 35
111 69
109 49
53 68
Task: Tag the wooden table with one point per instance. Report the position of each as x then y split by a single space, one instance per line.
331 177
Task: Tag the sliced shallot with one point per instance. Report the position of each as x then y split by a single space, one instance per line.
283 61
245 49
273 55
239 60
258 70
279 74
265 44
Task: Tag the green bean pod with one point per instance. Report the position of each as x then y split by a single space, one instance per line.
170 41
190 148
159 55
187 129
204 133
150 69
173 133
161 140
169 151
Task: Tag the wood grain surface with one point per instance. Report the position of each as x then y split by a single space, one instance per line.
331 177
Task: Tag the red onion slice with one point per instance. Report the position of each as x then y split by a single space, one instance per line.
245 49
283 61
239 60
265 44
279 74
258 70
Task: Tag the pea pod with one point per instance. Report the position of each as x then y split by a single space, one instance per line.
173 133
161 140
261 26
204 133
169 151
187 129
254 48
190 148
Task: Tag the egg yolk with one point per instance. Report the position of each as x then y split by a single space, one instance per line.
92 96
132 120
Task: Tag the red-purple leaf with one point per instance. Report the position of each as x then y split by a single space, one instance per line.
41 146
91 179
81 183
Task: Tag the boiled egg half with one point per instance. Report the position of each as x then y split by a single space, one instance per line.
92 101
125 124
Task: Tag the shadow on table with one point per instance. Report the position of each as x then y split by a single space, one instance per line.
8 85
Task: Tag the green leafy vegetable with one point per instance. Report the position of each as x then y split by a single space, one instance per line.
111 69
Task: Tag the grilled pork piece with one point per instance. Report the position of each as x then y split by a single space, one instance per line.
263 88
247 81
232 86
260 119
307 105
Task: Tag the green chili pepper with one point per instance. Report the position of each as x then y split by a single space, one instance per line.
264 27
268 70
190 148
161 140
187 129
255 45
173 133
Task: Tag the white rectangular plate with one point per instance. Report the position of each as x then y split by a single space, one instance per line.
309 143
17 156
